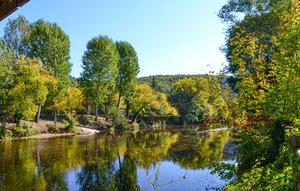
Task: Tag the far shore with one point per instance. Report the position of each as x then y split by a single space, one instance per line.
86 131
83 131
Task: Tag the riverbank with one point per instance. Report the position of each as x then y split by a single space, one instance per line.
44 133
83 131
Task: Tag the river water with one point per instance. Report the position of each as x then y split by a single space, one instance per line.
142 161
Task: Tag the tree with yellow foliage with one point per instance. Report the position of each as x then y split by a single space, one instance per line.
26 89
146 101
199 98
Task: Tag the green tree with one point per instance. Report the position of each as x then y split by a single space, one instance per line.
6 80
73 100
49 43
15 32
147 102
100 70
29 88
199 98
263 53
255 48
128 71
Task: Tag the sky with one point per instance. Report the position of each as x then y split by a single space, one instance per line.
169 36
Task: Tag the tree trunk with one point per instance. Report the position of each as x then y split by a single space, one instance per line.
96 113
106 113
55 117
119 102
127 110
18 117
88 110
119 157
38 115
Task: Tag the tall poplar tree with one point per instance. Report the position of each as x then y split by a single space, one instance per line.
49 43
15 32
128 71
100 69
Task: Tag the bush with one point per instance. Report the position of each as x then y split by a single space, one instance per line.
52 128
5 133
71 122
86 120
24 130
278 175
120 122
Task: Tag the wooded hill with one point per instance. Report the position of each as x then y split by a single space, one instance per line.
164 83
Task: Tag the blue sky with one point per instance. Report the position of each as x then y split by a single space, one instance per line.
170 36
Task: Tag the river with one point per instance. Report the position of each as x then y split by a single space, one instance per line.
142 161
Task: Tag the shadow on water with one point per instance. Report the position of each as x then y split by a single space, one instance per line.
145 161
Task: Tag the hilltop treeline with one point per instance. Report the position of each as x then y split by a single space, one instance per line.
165 83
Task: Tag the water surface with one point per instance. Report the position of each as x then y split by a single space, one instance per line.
144 161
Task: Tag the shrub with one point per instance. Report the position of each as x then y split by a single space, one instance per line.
52 128
5 133
86 120
24 130
120 122
71 122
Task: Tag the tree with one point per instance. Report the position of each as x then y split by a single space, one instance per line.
6 80
100 70
27 88
15 32
72 100
147 101
254 49
200 98
49 43
128 70
263 53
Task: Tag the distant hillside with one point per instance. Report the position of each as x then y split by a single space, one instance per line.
164 83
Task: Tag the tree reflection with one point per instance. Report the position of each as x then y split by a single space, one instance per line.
102 162
199 151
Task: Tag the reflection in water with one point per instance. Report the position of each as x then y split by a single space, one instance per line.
150 161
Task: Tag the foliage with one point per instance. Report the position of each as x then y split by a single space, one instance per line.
71 123
226 171
25 86
24 130
148 102
128 70
274 176
263 54
49 43
5 133
164 83
100 69
68 127
15 32
86 119
199 98
72 100
120 122
54 128
6 76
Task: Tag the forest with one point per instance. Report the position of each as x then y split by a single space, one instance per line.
257 94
